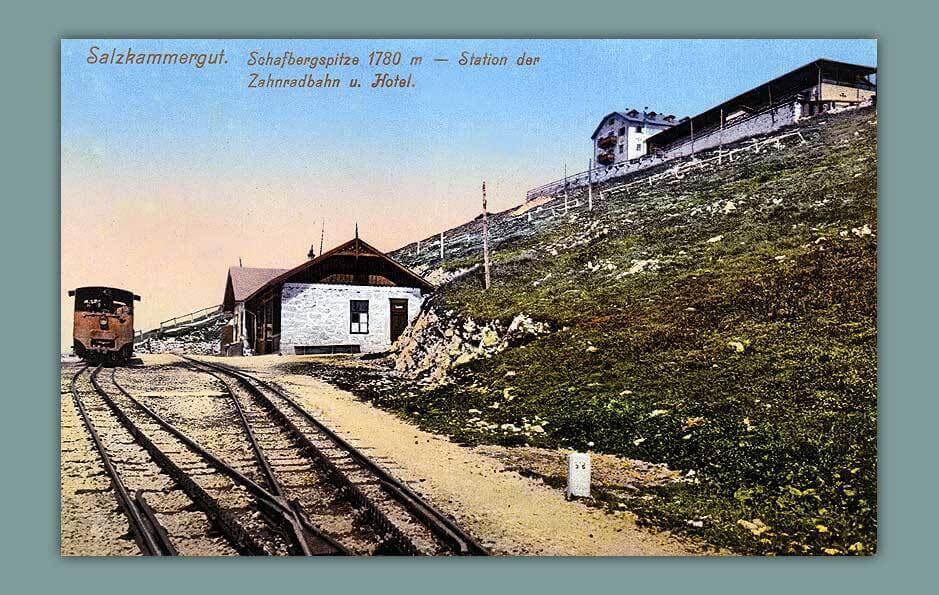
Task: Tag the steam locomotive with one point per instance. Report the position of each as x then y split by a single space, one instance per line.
103 327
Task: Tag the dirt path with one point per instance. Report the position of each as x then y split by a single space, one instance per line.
509 513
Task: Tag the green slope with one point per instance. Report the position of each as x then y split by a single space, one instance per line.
747 362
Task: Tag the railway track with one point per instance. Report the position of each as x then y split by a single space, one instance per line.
250 519
260 477
276 423
163 519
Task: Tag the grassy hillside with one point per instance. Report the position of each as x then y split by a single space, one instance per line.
723 322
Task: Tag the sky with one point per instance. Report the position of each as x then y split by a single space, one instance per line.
172 173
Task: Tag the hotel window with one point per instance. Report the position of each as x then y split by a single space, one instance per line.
358 316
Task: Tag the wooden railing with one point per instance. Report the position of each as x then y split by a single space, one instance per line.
191 317
176 321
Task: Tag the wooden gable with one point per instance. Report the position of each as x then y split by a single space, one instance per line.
353 263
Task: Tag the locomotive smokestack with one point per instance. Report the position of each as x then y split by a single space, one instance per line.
312 253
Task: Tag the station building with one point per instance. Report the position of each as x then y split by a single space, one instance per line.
351 299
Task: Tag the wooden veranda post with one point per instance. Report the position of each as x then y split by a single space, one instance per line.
772 112
485 237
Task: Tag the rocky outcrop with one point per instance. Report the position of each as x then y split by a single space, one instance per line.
437 342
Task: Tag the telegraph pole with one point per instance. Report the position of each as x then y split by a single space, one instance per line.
322 235
485 237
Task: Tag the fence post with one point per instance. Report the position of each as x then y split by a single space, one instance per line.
590 185
565 189
720 150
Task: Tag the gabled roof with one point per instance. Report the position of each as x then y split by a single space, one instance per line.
637 117
243 281
356 247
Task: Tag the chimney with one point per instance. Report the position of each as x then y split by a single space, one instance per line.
312 253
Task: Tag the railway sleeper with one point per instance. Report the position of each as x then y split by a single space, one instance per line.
237 535
371 500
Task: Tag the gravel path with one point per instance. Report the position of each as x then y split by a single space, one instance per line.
509 513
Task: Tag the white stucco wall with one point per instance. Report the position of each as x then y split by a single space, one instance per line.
634 137
318 315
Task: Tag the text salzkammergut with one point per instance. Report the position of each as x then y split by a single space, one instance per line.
197 59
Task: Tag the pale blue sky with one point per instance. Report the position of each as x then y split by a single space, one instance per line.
170 174
456 120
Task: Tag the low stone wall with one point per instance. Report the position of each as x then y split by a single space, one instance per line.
599 174
762 123
317 315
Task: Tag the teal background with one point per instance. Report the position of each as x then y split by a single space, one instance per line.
30 255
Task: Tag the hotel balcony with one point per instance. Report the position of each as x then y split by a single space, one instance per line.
606 141
605 158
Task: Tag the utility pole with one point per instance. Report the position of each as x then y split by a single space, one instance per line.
322 235
590 185
691 123
441 245
485 237
418 247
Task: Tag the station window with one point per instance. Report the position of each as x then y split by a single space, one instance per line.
622 131
621 148
358 316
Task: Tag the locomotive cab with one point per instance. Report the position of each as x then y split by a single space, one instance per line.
103 328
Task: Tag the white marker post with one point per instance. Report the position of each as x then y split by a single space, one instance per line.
578 475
